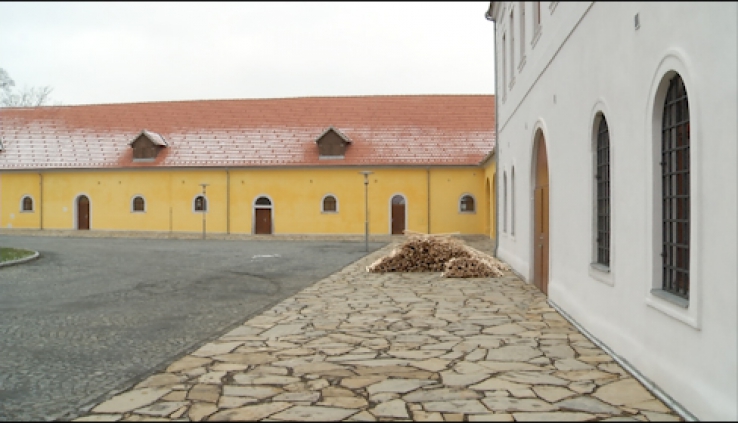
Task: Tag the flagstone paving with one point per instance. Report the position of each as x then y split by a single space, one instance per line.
359 346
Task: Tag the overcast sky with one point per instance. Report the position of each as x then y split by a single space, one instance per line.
137 52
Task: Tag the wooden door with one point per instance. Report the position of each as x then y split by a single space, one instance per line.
83 213
541 220
398 215
263 221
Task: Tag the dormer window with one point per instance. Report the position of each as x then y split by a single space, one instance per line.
332 144
147 145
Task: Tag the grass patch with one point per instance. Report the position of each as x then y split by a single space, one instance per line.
8 254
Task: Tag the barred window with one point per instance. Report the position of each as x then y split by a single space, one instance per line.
27 204
602 180
139 204
675 189
330 204
467 204
201 204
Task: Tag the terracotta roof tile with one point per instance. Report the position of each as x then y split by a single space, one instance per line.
397 130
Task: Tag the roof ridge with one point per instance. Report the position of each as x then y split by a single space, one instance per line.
357 96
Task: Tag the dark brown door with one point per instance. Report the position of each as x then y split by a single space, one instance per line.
540 234
398 215
83 213
263 221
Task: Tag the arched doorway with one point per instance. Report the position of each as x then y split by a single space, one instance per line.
263 216
540 216
83 213
398 213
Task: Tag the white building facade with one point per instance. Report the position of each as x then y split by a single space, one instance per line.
617 182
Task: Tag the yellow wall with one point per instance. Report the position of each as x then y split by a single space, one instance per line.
489 183
296 196
13 188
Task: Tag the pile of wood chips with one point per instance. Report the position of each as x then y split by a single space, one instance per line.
438 253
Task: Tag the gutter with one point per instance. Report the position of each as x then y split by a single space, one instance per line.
652 387
489 17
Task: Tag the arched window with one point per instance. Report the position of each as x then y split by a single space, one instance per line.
200 204
466 204
27 204
675 189
263 201
602 181
512 201
138 204
330 204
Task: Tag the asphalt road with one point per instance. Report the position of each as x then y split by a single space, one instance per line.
96 315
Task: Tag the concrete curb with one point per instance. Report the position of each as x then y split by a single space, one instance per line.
21 260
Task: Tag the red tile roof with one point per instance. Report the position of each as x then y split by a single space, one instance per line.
384 130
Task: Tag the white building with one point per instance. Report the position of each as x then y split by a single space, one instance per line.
617 181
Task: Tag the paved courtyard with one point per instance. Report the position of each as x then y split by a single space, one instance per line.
370 347
95 315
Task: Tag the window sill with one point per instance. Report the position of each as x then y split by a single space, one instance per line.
26 211
328 212
149 160
600 272
668 296
536 36
138 211
467 212
673 306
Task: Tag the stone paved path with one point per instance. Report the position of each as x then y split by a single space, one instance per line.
373 347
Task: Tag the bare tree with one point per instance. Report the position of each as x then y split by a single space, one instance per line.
27 97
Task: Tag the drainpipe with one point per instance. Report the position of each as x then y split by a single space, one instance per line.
427 172
497 138
40 201
228 201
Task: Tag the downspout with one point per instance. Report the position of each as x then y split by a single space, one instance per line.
228 201
427 172
40 201
497 144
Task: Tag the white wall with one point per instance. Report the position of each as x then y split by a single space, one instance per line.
590 58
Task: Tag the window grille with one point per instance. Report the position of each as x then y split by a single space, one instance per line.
201 203
329 204
467 203
675 189
138 204
27 204
603 193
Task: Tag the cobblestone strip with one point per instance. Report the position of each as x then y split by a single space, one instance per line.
398 346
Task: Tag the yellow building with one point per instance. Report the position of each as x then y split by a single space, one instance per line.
281 166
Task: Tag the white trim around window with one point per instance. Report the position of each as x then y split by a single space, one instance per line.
322 204
133 202
33 204
206 205
461 204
